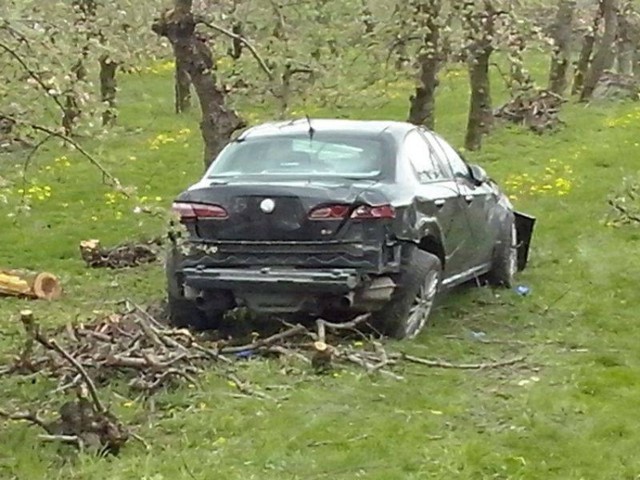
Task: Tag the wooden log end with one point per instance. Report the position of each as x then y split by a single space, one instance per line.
47 286
320 346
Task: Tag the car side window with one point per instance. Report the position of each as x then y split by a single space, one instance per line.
459 166
421 156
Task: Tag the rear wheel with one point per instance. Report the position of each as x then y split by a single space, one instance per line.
408 311
505 256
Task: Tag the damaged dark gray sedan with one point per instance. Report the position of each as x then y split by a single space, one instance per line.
336 218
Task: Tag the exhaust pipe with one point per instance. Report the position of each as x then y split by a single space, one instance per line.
216 300
346 301
200 301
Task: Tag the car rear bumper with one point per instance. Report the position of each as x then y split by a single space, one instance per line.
373 258
331 281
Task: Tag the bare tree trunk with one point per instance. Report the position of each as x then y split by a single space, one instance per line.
182 87
584 59
218 120
480 113
481 27
422 110
625 46
561 57
636 63
108 89
604 57
71 105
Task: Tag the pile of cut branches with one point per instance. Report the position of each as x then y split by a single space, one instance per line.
148 355
536 110
616 86
125 255
83 422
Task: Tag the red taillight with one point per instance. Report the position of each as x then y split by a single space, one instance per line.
330 212
366 211
194 211
339 212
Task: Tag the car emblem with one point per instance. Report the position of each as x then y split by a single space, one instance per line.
267 205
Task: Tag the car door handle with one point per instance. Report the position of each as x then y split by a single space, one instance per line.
439 202
468 198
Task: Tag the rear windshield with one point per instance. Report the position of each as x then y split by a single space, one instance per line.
325 154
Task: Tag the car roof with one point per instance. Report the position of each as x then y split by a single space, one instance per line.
301 126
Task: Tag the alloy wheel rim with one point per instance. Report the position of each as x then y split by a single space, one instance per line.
422 305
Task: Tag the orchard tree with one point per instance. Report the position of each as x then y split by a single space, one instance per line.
586 51
604 57
219 121
479 23
561 38
427 16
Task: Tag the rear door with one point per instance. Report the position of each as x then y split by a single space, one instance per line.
437 197
477 200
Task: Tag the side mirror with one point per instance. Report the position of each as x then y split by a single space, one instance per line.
478 174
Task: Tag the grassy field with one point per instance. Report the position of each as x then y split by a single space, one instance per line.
567 413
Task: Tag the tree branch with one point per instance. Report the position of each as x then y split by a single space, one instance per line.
33 75
53 133
244 41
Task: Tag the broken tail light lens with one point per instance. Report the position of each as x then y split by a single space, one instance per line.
195 211
339 212
381 211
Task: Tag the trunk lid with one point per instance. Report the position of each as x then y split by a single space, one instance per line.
277 211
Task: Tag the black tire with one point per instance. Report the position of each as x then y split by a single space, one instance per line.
183 312
406 314
505 255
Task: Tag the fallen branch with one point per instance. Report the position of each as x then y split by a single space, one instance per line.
28 417
72 439
295 330
244 387
460 366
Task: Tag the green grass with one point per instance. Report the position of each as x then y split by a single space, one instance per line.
567 413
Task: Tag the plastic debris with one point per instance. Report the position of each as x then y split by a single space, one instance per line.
523 290
479 336
244 354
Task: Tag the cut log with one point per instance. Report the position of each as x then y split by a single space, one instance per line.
19 283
